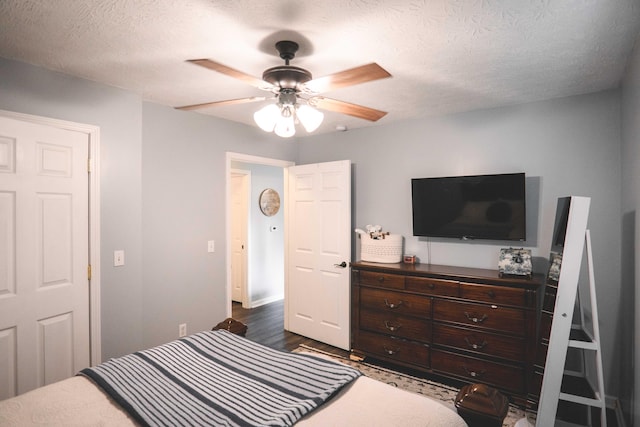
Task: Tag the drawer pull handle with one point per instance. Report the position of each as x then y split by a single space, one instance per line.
380 279
431 286
391 305
389 351
476 319
474 345
473 374
391 327
491 294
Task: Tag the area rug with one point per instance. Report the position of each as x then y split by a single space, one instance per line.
432 389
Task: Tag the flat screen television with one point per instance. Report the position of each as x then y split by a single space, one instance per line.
488 207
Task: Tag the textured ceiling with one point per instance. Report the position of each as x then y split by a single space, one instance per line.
445 55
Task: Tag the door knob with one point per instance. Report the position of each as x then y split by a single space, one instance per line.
341 265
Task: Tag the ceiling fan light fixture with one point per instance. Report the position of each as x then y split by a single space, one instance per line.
310 118
281 118
267 117
285 126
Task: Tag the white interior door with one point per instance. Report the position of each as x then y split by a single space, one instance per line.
318 238
239 224
44 255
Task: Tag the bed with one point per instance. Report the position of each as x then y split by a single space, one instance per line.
218 378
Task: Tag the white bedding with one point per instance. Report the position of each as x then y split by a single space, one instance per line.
75 401
372 403
78 402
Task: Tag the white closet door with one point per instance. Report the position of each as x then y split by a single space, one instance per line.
44 248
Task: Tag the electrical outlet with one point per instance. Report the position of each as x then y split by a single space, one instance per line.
182 330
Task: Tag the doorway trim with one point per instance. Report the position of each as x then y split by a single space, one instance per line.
244 158
93 136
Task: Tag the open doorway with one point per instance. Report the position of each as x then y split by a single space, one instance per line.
240 186
257 263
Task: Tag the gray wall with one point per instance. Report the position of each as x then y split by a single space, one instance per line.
627 357
183 206
568 146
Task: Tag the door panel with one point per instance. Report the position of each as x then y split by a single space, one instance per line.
7 243
44 255
55 348
55 233
319 241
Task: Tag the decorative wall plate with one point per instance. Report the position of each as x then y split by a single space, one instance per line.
269 202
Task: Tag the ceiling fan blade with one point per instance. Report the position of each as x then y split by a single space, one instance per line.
219 103
231 72
354 110
353 76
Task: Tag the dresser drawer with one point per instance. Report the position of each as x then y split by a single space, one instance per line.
546 320
541 353
428 286
396 325
485 343
536 383
395 302
493 294
549 299
393 349
477 370
494 317
391 281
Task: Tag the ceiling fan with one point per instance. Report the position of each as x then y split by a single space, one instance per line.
296 92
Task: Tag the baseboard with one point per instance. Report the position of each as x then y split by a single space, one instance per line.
265 301
613 403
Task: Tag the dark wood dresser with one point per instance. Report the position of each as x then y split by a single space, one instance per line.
465 323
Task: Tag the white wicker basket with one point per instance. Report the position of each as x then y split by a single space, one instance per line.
387 250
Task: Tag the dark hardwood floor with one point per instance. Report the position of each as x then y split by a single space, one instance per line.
265 325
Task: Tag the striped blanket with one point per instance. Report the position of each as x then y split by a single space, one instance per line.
219 379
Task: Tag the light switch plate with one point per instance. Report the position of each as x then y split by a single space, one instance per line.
211 246
118 258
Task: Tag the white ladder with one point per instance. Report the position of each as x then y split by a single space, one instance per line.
588 341
560 339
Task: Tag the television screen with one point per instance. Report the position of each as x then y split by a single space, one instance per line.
560 224
470 207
